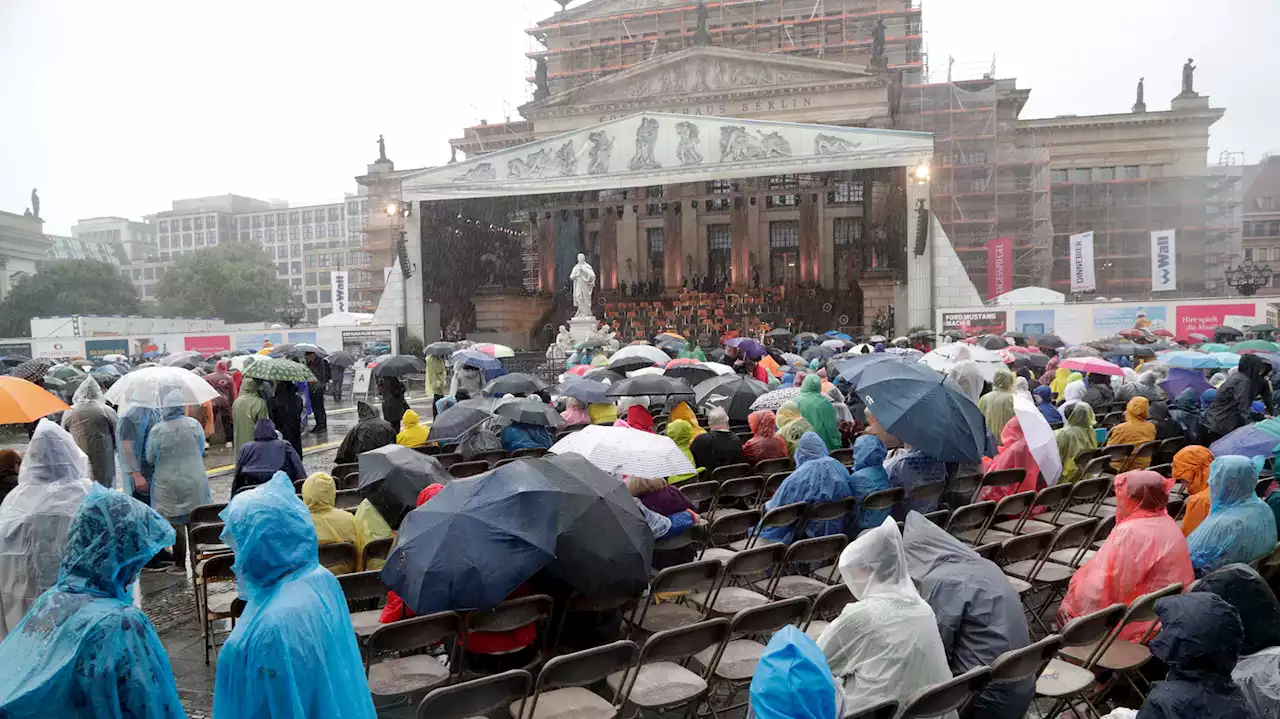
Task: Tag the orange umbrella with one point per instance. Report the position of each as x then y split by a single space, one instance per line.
22 401
770 365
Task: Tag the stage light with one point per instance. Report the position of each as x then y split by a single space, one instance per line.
921 173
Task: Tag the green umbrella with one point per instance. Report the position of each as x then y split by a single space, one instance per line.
1214 347
278 370
1254 346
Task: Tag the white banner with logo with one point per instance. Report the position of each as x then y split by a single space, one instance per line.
1164 263
338 281
1082 279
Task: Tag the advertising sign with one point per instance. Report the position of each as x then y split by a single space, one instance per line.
999 266
361 342
1164 263
207 345
976 323
1202 319
1034 322
1082 279
97 349
58 349
339 282
1110 320
253 341
308 337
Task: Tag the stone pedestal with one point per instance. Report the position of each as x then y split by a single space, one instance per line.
580 328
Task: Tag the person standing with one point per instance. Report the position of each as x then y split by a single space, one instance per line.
248 408
175 447
285 410
436 384
93 426
393 402
320 368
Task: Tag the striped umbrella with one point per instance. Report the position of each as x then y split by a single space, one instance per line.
494 350
625 451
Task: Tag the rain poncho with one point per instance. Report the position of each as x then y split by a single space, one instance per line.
602 413
1200 637
1014 454
1072 394
1187 413
1145 386
575 413
248 408
436 383
412 433
176 448
93 425
1076 436
911 468
131 432
979 612
371 526
332 525
393 402
522 435
792 680
286 410
765 442
295 612
886 644
638 417
1145 552
966 374
84 651
997 405
1191 465
1240 526
1061 377
1160 418
267 454
682 434
1043 403
465 377
1099 394
1230 408
682 411
1257 672
791 426
818 412
869 476
370 433
35 517
1135 429
818 477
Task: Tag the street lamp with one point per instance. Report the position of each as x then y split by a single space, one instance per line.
1248 277
292 312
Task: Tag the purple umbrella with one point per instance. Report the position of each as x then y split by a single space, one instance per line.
1180 379
749 347
1251 440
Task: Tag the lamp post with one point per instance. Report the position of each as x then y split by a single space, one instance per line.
1248 277
292 312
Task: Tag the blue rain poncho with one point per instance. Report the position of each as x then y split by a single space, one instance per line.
175 448
131 432
817 478
869 476
1240 526
84 651
521 435
792 680
912 468
295 613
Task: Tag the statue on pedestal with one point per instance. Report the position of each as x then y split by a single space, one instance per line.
877 43
702 36
1188 77
562 347
382 149
1140 104
584 281
35 203
542 88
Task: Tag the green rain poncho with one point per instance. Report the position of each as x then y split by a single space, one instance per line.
693 351
681 432
248 408
997 405
818 411
1075 437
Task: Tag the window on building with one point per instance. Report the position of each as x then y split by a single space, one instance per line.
353 207
282 268
164 242
187 240
335 230
335 214
311 297
200 238
1267 203
320 232
655 248
306 217
311 279
295 268
306 232
295 250
282 252
324 260
719 187
146 290
720 254
149 273
164 256
1248 254
845 192
269 220
1061 200
293 234
1273 229
1106 173
1083 174
164 226
296 282
271 236
257 236
1132 172
783 182
309 261
137 275
186 224
326 296
1057 175
784 252
846 236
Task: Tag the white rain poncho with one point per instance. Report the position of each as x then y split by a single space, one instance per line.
886 644
966 374
93 426
35 517
175 447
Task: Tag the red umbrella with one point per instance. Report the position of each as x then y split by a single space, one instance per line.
682 361
1093 365
1162 333
580 369
1131 334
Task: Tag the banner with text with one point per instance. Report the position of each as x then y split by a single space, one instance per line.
976 323
339 282
999 266
1108 321
1164 263
97 349
254 341
1082 279
206 346
1202 319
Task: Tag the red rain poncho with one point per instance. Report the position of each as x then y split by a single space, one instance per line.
765 442
1014 454
1145 552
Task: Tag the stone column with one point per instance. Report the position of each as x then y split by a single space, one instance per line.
919 267
608 269
740 257
673 245
626 233
810 230
546 254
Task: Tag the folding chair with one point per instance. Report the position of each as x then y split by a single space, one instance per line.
1262 486
509 616
561 691
1269 566
744 568
928 494
828 605
377 549
771 484
940 517
844 455
1017 665
660 682
395 681
735 661
791 579
883 500
725 531
1085 495
766 467
1120 454
1013 509
971 519
462 470
1067 552
529 452
297 487
1143 451
364 592
1001 478
203 541
1084 458
700 494
962 488
1061 680
1099 536
1022 548
841 509
989 551
491 456
214 570
1053 499
741 490
206 514
887 709
341 472
448 459
1043 574
743 437
1111 419
503 462
730 471
788 515
1098 467
476 698
946 697
1168 448
649 617
1175 508
347 499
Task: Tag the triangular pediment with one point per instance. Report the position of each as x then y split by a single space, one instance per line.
706 71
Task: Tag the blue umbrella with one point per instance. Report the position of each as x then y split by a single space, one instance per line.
477 359
1180 379
1190 360
839 335
850 370
926 410
584 390
751 348
1254 440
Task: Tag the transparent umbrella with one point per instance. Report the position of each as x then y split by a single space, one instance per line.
152 386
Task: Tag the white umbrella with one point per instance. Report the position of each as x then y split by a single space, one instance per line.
644 371
1040 438
648 352
834 344
942 358
862 349
717 367
620 450
152 386
240 362
115 358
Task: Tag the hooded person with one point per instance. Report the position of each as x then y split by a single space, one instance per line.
1014 453
371 432
869 476
1199 640
333 525
225 384
1240 526
395 609
1191 467
248 408
1142 385
176 447
997 405
682 434
1044 403
93 426
575 412
886 644
1166 427
1061 376
412 433
1098 394
286 411
1257 672
791 424
1231 407
84 651
437 386
1071 394
765 442
267 454
523 435
372 526
636 413
1134 430
394 405
818 412
35 518
817 478
294 612
604 413
132 429
1075 437
979 612
966 374
679 409
1145 552
792 680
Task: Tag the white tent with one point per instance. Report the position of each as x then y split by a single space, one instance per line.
1031 296
345 319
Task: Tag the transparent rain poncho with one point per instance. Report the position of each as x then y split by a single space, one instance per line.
295 613
175 447
35 517
84 651
1240 526
93 426
886 644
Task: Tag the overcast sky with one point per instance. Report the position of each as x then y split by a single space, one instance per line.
117 108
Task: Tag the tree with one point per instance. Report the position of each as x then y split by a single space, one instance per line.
235 281
66 287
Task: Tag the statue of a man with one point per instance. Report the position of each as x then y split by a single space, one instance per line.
382 149
35 202
1141 90
877 40
584 281
1188 77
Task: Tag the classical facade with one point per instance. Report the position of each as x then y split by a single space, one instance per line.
23 246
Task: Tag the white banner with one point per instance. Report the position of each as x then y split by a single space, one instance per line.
1082 279
1164 263
338 282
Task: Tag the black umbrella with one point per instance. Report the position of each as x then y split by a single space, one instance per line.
654 385
691 373
1198 336
515 383
1038 361
392 476
808 337
399 366
926 410
584 390
453 422
440 349
780 334
1053 342
954 334
716 355
629 364
1143 351
920 335
732 392
32 370
1015 335
341 360
1227 331
302 348
529 411
992 342
818 353
602 374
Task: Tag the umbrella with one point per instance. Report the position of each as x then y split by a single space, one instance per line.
779 334
341 360
1198 337
1015 335
836 345
241 362
1227 331
649 352
818 353
1180 379
1214 347
1163 333
693 373
807 337
747 346
669 335
1143 351
716 355
944 357
494 350
455 421
392 476
464 358
732 393
626 451
150 387
992 342
1132 334
440 349
920 335
401 365
1079 351
1092 365
22 402
529 411
515 383
873 338
650 385
839 335
66 372
851 369
1040 438
644 371
1050 341
623 365
1251 440
1265 327
600 374
179 358
584 390
926 410
279 370
108 369
302 348
1226 359
794 360
775 399
1038 361
954 334
1254 346
1189 359
909 352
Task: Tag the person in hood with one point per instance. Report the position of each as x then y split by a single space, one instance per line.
84 651
1075 437
1230 407
765 442
1098 394
524 435
966 374
1200 639
1072 394
792 680
997 405
818 412
333 526
1014 454
267 454
372 526
1191 467
176 448
719 447
1187 413
979 612
886 644
681 432
437 386
35 518
225 385
1145 552
1240 526
285 409
249 407
10 466
869 476
294 612
394 404
818 478
134 425
791 425
1061 376
1257 672
1145 386
1044 403
371 432
679 409
93 426
1162 420
1134 430
466 377
575 413
412 433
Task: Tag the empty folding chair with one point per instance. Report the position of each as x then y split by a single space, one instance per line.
1085 495
411 672
989 551
468 469
562 690
1168 448
648 617
766 467
970 520
946 697
923 496
939 517
793 579
826 518
476 698
700 494
378 549
844 455
1023 548
347 499
741 491
203 541
1069 548
206 513
1013 509
1043 574
725 531
1164 470
364 592
339 557
1120 454
1016 665
962 488
1175 508
1001 478
1099 536
881 501
732 593
887 709
448 459
771 484
509 616
340 472
1064 681
660 682
211 608
826 607
1098 467
788 516
1053 499
735 661
730 471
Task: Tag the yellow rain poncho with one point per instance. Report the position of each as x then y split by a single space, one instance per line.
436 384
682 411
332 525
371 526
1060 379
602 413
791 425
1135 430
682 434
1075 437
412 433
997 405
